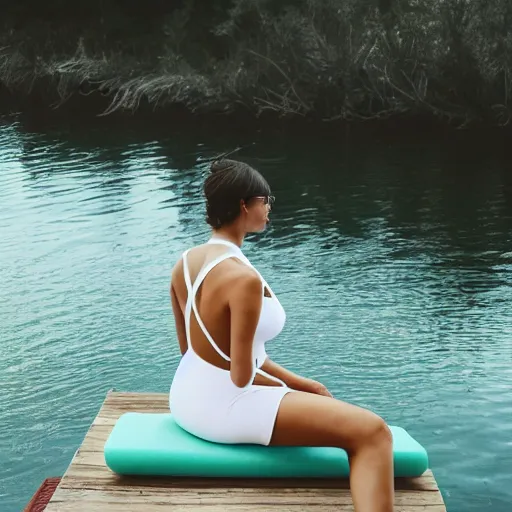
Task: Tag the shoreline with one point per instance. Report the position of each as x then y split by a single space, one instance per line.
34 113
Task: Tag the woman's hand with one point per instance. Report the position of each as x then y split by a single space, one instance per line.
312 386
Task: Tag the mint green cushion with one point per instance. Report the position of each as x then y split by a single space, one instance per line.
153 444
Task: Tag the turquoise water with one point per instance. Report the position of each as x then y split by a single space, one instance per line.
393 261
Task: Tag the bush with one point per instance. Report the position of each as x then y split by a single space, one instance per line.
320 59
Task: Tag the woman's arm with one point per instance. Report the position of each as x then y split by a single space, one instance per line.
245 303
292 380
245 307
179 320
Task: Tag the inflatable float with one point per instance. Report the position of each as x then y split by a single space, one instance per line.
152 444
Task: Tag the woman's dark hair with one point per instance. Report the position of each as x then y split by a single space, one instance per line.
229 182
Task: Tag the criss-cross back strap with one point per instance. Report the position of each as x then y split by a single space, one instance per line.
191 299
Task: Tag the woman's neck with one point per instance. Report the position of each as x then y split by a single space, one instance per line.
229 235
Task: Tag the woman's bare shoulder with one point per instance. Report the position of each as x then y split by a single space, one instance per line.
231 268
234 274
178 265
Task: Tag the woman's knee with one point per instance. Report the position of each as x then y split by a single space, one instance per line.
382 431
373 432
378 432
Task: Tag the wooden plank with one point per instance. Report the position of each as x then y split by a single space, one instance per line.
137 404
123 407
116 410
91 477
112 411
144 400
102 506
106 421
95 438
229 496
145 507
185 499
189 497
134 396
82 475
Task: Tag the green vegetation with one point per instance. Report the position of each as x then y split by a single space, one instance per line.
314 59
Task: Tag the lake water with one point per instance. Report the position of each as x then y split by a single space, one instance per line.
392 259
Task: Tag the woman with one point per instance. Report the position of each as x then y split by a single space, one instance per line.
226 389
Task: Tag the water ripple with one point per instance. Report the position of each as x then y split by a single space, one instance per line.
395 299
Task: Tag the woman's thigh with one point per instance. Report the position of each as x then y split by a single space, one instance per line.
305 419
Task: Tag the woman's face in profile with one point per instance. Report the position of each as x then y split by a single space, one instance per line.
258 210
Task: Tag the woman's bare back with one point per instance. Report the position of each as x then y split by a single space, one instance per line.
212 299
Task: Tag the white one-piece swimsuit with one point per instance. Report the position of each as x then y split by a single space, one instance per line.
203 398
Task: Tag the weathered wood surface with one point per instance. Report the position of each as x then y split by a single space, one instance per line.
89 485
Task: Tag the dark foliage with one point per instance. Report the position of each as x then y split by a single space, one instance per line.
321 59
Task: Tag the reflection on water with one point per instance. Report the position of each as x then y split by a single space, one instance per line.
393 263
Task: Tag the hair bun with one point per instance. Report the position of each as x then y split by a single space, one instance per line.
221 165
216 166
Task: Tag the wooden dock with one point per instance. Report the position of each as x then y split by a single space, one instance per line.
88 485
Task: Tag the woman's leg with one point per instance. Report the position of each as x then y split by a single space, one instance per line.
305 419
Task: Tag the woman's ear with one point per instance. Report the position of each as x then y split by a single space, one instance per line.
243 205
